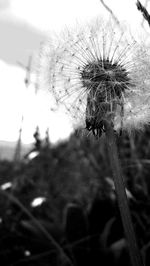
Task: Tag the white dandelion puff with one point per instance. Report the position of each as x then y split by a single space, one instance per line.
98 72
102 78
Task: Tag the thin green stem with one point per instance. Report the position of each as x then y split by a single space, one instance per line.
134 252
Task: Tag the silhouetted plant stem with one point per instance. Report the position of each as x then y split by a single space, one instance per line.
110 11
144 12
134 251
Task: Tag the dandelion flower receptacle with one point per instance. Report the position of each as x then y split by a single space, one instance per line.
99 73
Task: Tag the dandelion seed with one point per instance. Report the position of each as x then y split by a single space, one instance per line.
99 74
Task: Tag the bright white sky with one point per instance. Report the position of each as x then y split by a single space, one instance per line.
45 16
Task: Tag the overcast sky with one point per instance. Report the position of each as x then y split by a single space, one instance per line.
23 25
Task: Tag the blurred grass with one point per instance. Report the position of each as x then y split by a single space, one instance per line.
75 179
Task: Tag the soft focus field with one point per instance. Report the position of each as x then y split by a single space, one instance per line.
74 219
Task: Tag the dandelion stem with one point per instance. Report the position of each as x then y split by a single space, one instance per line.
134 252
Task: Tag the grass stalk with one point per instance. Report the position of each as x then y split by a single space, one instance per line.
134 252
38 225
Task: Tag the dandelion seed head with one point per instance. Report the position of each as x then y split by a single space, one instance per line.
98 72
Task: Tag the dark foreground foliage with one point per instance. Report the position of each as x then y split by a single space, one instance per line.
78 221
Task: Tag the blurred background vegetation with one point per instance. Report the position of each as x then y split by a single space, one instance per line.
64 195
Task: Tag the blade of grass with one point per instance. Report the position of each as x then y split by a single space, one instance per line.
36 223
